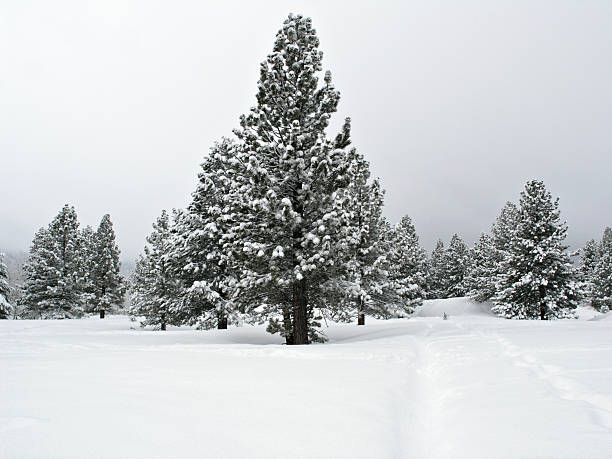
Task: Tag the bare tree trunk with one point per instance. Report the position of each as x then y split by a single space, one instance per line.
102 313
300 313
287 325
222 322
361 319
543 307
163 326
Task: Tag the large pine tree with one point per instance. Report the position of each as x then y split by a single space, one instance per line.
5 307
536 280
286 202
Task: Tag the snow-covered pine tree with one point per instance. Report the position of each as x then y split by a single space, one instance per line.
457 262
198 252
601 276
368 288
407 264
536 280
286 203
480 277
5 307
156 293
504 227
108 283
53 271
437 273
87 267
590 258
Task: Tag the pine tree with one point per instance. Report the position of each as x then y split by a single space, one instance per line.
437 274
536 279
480 277
590 258
107 280
286 202
88 252
408 264
504 227
156 293
457 261
368 285
601 276
54 268
198 253
5 307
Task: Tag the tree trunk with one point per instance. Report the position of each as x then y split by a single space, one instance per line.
543 308
361 319
288 326
163 326
222 323
300 313
101 313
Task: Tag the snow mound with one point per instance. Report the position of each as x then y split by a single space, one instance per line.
453 307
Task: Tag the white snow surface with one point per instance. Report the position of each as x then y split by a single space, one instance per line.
472 386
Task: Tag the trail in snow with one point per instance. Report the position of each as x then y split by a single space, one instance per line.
473 386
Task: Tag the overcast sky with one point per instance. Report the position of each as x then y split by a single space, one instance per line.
111 105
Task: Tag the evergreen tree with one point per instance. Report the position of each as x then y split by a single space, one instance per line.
107 281
287 204
504 227
156 293
437 274
536 276
457 261
199 256
601 276
88 266
408 264
590 258
5 307
53 271
369 288
482 271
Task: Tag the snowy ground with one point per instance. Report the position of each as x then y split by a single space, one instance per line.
473 386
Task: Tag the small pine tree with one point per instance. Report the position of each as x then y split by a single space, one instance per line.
437 275
590 257
504 227
408 264
156 293
536 280
107 280
368 287
198 255
457 262
602 275
5 307
88 267
481 274
53 271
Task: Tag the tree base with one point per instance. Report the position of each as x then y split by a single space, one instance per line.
222 323
102 313
361 319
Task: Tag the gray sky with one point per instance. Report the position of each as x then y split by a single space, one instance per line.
110 105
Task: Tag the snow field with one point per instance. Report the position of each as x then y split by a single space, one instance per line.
473 386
